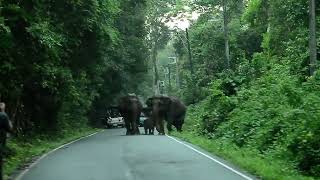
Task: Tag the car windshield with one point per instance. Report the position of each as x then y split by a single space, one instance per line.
113 113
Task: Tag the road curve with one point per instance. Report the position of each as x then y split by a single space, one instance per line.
109 155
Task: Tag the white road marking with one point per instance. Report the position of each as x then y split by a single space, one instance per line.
44 155
211 158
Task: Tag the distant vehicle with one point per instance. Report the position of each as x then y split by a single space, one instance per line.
114 119
115 122
141 120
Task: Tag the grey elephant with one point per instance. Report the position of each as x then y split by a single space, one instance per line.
167 108
130 108
148 125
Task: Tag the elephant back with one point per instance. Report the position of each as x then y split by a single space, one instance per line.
177 107
130 103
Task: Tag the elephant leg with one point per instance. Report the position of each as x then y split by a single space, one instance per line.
179 127
128 128
135 128
145 130
179 122
169 126
161 128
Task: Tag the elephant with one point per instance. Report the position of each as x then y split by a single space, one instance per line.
130 108
148 125
167 108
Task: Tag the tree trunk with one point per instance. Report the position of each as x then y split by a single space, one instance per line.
191 66
169 78
177 72
226 32
156 90
189 52
313 40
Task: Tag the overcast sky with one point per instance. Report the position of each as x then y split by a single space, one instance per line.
183 23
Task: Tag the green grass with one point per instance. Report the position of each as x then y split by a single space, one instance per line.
24 151
247 159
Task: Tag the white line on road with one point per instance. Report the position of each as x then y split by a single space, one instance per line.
43 156
211 158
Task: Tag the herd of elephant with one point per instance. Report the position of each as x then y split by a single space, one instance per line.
158 109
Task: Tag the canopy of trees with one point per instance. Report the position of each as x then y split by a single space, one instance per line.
61 61
265 98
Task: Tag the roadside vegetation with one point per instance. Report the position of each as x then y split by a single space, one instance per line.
62 63
246 158
260 105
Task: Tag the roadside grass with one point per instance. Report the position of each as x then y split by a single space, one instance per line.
245 158
24 150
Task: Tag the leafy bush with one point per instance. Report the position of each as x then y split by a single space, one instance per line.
61 60
266 102
274 115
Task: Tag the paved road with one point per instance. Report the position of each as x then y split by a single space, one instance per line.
109 155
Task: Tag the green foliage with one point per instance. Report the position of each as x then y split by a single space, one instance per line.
265 103
246 158
62 60
274 115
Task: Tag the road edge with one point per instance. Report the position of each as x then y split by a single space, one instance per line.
21 174
211 158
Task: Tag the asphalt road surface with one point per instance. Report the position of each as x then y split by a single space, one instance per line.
109 155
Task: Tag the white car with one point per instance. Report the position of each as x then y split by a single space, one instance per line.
115 122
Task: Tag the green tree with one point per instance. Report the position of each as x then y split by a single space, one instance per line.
61 60
313 40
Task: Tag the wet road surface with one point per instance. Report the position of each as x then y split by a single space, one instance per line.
109 155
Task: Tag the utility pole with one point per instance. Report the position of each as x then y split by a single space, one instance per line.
156 89
169 76
177 72
313 40
191 66
175 63
189 52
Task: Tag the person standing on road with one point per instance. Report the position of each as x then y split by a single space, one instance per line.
5 127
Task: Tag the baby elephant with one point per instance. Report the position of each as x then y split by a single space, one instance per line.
148 125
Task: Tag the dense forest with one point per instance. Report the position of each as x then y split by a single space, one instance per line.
246 68
250 80
65 61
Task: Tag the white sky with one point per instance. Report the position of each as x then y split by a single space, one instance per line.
184 22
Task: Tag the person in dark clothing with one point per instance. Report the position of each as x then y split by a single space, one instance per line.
5 127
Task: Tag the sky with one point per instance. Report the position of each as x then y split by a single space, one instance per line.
183 23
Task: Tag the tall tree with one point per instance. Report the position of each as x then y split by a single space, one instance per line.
74 52
226 8
158 14
226 34
313 39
